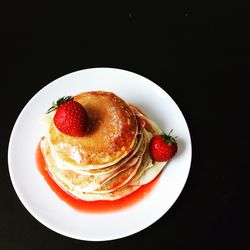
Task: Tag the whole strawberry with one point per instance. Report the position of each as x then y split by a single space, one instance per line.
163 147
70 117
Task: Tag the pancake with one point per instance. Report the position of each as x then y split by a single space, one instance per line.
88 170
126 174
110 137
126 180
85 181
112 160
108 190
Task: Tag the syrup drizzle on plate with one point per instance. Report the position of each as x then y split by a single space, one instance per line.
92 206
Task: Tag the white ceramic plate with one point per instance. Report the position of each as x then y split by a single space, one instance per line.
43 203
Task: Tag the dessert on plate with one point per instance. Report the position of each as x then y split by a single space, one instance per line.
98 147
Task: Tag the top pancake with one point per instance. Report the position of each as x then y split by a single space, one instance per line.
112 130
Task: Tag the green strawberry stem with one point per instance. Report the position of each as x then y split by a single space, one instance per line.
60 101
168 138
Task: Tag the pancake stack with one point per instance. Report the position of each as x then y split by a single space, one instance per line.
112 160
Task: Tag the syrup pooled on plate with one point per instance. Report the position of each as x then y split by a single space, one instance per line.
92 206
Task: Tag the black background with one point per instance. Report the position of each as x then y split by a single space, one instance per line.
200 56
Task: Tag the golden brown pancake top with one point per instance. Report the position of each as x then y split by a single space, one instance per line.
112 129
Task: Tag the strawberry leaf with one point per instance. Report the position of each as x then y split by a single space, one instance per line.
59 102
